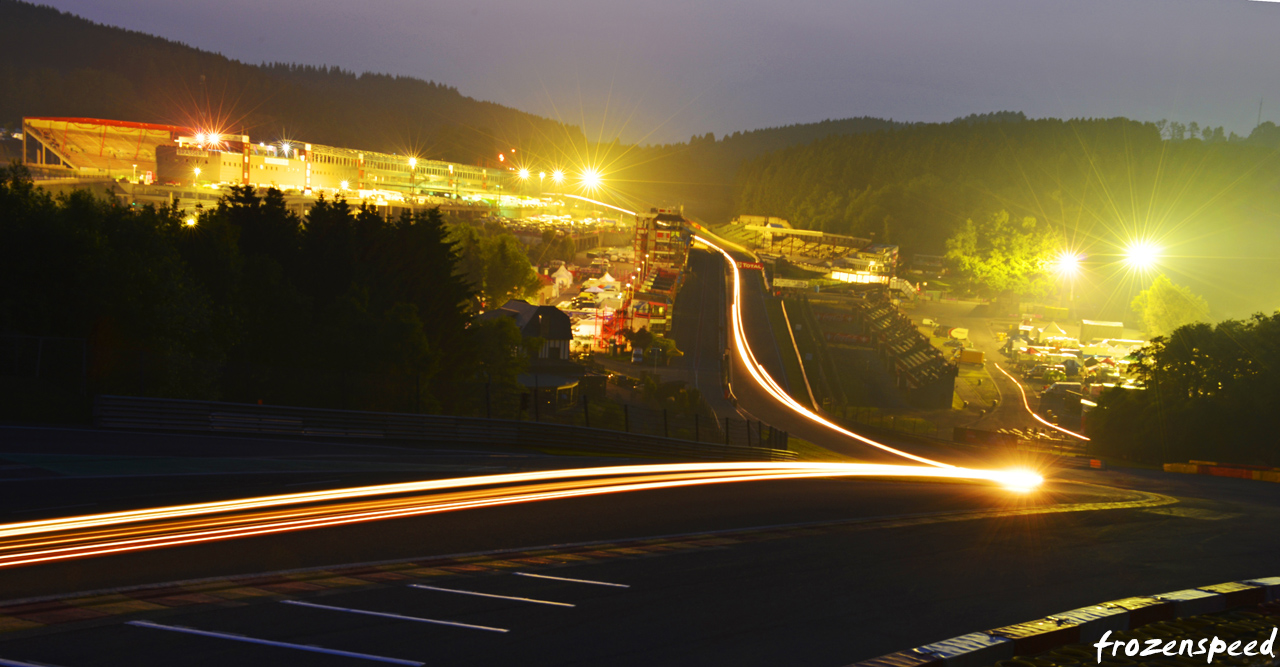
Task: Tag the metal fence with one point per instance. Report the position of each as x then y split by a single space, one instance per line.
743 440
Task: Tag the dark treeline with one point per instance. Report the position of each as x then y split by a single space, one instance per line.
99 71
700 173
1211 395
1092 179
248 302
57 64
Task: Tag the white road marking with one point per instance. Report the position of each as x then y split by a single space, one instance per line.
268 642
489 595
384 614
576 581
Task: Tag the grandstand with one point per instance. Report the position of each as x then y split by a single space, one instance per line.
812 250
95 147
170 154
922 373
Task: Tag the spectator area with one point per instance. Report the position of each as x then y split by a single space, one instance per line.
96 146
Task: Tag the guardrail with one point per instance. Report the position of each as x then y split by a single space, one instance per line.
159 414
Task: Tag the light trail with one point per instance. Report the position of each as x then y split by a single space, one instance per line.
767 382
1027 405
592 201
55 540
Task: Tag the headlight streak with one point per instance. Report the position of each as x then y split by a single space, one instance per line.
767 382
51 540
1037 417
134 538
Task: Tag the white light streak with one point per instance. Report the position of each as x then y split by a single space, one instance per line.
1037 417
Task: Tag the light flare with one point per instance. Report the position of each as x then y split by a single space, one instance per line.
1142 255
51 540
1067 263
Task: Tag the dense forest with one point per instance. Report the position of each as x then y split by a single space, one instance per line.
700 173
99 71
1092 179
1211 392
244 302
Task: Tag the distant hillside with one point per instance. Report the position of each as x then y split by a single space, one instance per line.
57 64
913 185
1103 182
700 173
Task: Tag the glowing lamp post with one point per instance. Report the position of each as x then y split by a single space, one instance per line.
1067 265
1142 255
413 166
196 181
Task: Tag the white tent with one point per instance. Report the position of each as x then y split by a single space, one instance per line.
563 277
1052 333
606 278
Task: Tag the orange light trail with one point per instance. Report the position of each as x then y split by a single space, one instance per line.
35 542
767 382
1037 417
52 540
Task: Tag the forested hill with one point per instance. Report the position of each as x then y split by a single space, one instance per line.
57 64
700 173
1095 180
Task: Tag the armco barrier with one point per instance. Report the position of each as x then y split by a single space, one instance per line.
1080 626
1236 470
127 412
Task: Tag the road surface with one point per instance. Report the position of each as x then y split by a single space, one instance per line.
822 571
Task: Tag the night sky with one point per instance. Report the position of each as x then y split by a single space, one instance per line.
661 70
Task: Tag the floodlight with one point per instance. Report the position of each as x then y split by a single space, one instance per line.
1067 263
1142 255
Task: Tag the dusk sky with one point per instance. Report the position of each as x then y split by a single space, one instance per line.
662 70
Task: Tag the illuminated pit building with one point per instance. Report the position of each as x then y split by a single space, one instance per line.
90 148
319 168
662 249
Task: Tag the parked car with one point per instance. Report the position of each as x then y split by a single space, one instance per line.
1046 372
637 356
